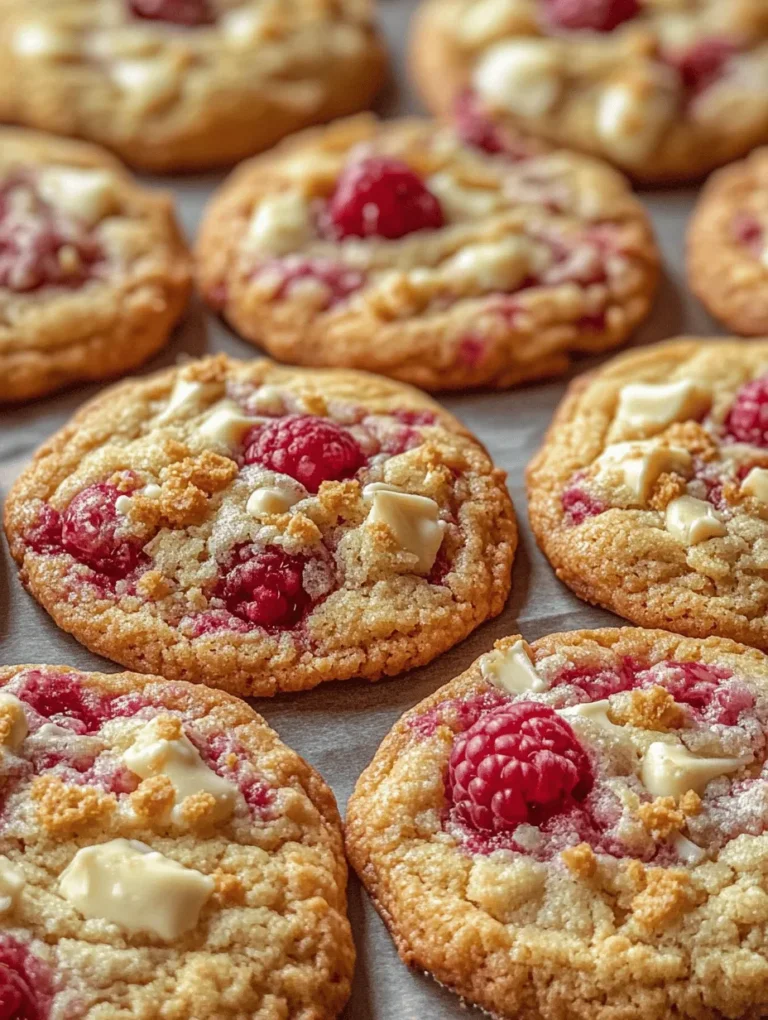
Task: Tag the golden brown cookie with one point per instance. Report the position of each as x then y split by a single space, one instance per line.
163 855
575 829
650 493
186 84
727 246
398 248
264 529
666 91
94 272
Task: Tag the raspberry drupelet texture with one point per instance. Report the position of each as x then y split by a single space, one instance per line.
747 420
310 449
265 587
518 763
178 12
25 984
593 15
91 528
380 197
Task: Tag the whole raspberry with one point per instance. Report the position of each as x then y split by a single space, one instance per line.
265 587
747 420
179 12
312 450
702 64
25 983
518 763
380 197
90 529
595 15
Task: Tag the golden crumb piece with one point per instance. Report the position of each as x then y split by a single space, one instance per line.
313 403
667 488
667 895
167 727
339 499
153 799
154 586
695 439
635 873
303 530
209 370
580 860
661 817
9 717
652 708
230 891
199 809
122 482
62 809
690 804
208 471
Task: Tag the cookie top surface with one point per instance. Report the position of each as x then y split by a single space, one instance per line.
575 829
649 494
664 90
185 84
162 853
728 245
263 528
93 269
400 248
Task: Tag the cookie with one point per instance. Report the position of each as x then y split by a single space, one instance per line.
163 855
576 829
263 529
649 495
666 91
186 84
398 248
727 247
94 272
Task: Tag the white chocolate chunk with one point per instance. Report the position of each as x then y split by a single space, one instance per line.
631 117
280 224
486 20
179 760
756 484
595 711
89 195
242 26
146 82
125 882
11 883
659 404
458 202
413 520
639 465
187 395
689 852
522 76
123 504
226 425
512 670
498 265
270 500
670 770
12 712
691 521
35 39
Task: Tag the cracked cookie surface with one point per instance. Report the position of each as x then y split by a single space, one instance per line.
94 272
402 249
261 528
649 495
665 90
186 84
575 829
162 854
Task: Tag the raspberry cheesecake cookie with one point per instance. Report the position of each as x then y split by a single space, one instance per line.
402 249
163 854
576 829
94 272
665 90
263 529
650 493
728 246
186 84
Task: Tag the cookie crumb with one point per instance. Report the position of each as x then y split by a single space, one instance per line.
580 860
668 894
661 817
690 804
199 809
167 727
153 799
230 891
653 708
63 808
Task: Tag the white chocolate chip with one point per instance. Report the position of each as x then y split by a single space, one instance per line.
127 883
511 670
632 116
37 40
123 504
281 224
179 760
11 883
486 20
242 26
413 520
87 194
187 395
692 520
686 850
460 203
226 425
522 76
270 500
147 83
594 711
639 465
499 265
656 405
756 484
670 770
12 709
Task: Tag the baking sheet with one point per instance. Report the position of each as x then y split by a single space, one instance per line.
338 727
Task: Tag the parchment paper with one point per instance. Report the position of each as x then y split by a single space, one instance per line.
338 727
